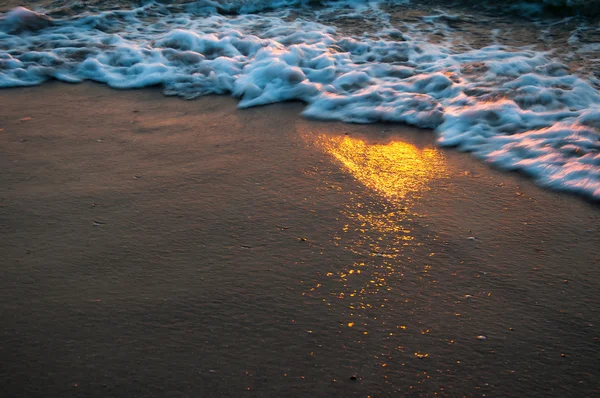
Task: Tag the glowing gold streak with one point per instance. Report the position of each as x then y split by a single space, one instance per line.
394 170
399 172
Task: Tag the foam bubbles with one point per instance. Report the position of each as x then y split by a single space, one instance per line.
21 19
512 106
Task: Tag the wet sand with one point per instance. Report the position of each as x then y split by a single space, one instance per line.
159 247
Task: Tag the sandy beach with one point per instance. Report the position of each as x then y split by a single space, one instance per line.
158 247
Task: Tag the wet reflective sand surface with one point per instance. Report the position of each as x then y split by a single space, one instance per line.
188 249
413 298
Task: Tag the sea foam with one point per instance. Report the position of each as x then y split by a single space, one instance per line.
512 106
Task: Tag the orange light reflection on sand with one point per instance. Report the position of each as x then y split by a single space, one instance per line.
393 170
377 231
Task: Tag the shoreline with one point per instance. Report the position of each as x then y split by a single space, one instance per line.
154 245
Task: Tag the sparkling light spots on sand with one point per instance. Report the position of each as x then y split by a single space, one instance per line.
377 229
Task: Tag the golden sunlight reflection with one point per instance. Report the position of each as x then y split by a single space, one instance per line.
378 232
394 169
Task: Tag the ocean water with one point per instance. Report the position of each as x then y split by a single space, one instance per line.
515 86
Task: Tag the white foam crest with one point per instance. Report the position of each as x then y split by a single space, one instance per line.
514 107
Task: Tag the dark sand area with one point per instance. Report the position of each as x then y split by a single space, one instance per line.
159 247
